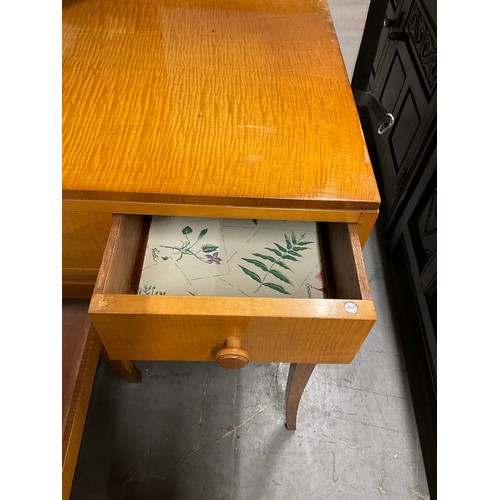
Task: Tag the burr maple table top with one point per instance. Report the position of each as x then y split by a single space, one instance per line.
210 102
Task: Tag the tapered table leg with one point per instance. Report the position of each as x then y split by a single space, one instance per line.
123 367
297 380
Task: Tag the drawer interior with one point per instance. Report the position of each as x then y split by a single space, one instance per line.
327 328
233 257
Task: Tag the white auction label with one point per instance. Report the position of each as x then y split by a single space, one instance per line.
351 307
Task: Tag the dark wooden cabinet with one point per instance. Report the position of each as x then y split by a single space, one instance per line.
403 77
397 63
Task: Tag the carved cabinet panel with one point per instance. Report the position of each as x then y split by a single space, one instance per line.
404 79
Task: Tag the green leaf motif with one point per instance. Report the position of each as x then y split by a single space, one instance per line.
280 276
187 230
252 275
279 254
203 232
273 260
164 258
278 288
291 253
257 263
266 257
283 265
299 249
150 290
209 248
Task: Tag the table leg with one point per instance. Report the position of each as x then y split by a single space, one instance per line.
298 377
123 367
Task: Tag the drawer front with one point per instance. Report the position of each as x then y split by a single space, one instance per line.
84 238
156 327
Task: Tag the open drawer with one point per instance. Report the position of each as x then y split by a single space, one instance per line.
197 328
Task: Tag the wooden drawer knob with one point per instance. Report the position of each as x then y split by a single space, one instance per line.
232 355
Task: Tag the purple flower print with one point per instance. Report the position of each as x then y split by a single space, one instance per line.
213 258
186 247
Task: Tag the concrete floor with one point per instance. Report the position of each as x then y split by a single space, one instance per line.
349 18
196 431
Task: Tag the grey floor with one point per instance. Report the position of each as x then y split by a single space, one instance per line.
196 431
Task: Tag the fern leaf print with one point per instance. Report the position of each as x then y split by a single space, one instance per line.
263 266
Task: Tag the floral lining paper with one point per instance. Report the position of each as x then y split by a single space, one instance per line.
232 257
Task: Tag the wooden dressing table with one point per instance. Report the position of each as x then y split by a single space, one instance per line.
219 108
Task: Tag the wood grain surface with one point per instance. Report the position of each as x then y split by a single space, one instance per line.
78 287
84 237
298 376
348 266
236 212
365 225
73 430
234 102
120 254
152 327
159 327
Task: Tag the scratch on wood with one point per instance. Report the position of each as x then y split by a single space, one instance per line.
103 303
267 130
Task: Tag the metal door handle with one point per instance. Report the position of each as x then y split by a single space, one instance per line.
384 127
365 99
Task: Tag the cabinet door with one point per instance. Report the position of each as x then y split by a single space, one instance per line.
417 231
404 79
84 237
